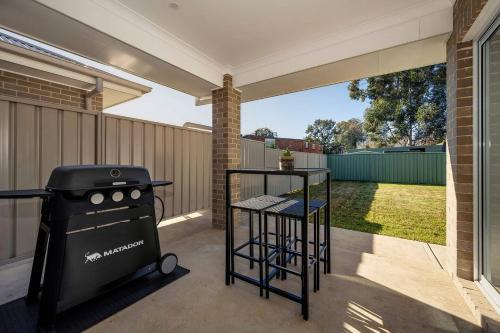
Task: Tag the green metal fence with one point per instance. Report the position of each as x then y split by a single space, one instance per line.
424 149
408 168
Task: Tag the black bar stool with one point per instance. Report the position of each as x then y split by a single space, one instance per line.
319 246
253 206
284 253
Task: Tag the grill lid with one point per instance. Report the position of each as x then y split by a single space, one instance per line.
79 177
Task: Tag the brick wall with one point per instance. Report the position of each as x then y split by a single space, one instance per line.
299 145
459 205
292 144
226 140
12 84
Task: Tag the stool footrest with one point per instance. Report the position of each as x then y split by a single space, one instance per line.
241 255
288 270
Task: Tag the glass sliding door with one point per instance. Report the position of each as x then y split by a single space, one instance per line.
489 164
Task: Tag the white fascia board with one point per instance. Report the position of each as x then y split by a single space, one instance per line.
52 69
120 88
423 22
120 22
32 63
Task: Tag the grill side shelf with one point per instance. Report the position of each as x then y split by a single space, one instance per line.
157 183
26 194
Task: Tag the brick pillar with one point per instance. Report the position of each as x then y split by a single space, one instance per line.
459 166
225 147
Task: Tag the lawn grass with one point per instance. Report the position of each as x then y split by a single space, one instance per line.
414 212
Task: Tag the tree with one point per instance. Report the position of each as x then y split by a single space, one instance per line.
322 131
265 132
406 108
349 133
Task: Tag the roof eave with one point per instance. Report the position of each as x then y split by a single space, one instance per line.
75 68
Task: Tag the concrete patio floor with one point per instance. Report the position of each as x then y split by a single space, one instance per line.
378 284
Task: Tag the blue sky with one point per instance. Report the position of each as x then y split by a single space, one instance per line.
288 115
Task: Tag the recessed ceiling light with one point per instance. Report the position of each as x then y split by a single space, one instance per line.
173 5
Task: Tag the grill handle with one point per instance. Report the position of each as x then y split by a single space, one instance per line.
157 183
26 194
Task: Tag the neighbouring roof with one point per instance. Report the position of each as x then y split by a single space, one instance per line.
25 58
294 139
253 136
28 46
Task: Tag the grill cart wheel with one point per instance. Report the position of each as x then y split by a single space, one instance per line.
167 263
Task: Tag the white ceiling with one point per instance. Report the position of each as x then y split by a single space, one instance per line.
191 47
236 32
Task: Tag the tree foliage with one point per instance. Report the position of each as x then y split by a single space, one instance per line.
407 108
336 137
349 133
322 131
265 132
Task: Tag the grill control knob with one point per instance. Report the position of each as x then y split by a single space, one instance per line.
96 198
135 194
117 196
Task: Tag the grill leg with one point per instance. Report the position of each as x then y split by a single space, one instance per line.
250 235
37 269
52 278
40 251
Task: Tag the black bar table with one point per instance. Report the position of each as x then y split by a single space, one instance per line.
305 174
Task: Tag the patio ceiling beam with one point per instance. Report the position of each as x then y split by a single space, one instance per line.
403 57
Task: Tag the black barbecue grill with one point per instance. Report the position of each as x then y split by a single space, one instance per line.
102 228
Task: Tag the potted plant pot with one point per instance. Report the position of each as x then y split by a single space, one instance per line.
287 160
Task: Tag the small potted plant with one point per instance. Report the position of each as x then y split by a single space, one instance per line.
287 160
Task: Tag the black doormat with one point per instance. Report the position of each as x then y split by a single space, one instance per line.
17 316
